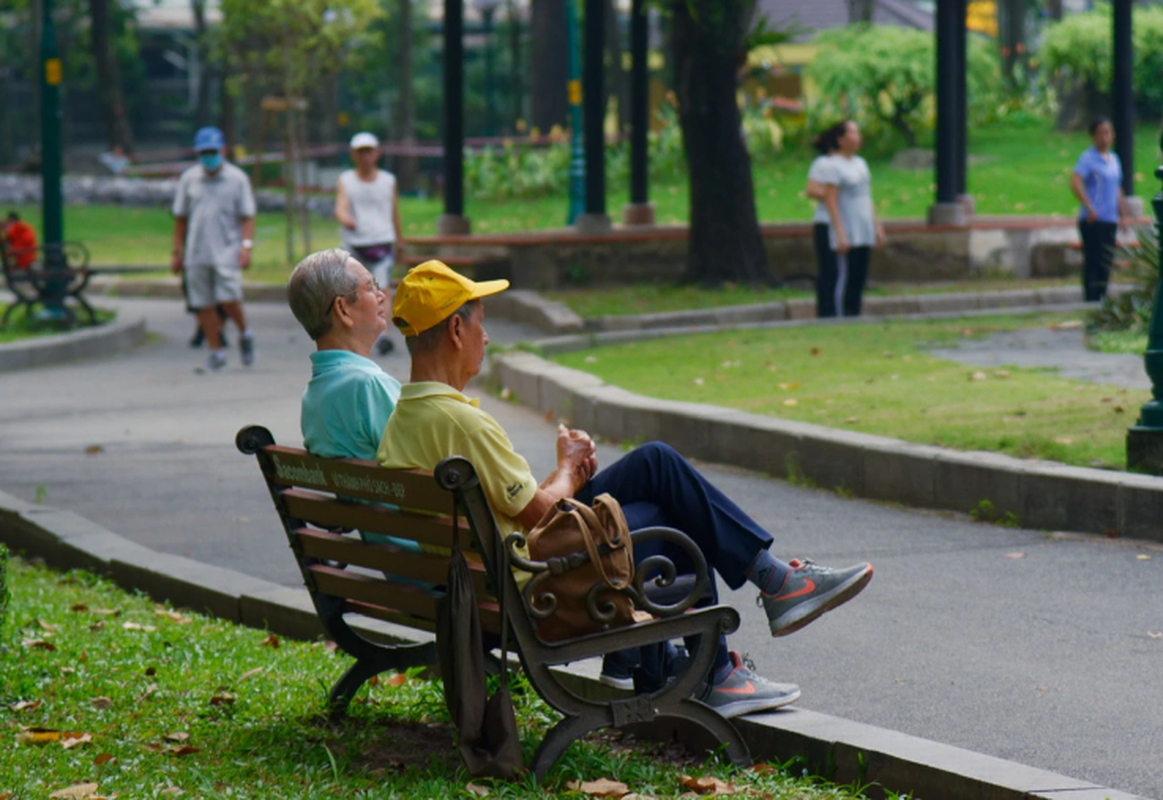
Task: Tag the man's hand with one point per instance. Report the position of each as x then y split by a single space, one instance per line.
577 453
244 258
176 262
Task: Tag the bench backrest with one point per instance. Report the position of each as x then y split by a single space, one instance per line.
326 504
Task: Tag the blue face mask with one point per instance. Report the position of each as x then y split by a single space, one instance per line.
211 161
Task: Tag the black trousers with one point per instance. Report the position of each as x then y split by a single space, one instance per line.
1098 251
827 273
853 270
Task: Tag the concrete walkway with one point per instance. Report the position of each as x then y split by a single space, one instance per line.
1047 658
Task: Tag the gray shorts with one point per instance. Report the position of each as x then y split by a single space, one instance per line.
208 285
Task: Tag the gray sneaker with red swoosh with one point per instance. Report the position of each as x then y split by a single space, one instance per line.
744 692
808 591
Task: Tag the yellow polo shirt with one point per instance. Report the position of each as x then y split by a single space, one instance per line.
433 421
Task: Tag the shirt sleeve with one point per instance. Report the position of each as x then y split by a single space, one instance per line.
182 198
822 171
379 400
505 476
246 206
1082 166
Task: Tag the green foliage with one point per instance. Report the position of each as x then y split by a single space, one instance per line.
883 76
1077 51
1131 311
4 594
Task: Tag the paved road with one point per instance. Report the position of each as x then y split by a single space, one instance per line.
1046 659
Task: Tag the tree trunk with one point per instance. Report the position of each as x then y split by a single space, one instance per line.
409 165
860 10
549 67
725 242
109 90
1012 37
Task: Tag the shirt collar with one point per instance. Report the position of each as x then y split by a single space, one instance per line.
425 389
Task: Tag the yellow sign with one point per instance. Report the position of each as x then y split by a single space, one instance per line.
575 96
52 72
342 119
981 17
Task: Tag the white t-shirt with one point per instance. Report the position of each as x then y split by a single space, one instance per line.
373 208
854 180
821 171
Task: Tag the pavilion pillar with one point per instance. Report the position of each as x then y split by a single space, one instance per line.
1123 101
961 151
950 118
640 211
595 219
453 221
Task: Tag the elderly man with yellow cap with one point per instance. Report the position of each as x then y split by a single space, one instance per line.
442 317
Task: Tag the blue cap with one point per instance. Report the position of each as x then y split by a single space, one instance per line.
209 138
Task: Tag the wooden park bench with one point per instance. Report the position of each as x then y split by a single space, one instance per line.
31 285
323 504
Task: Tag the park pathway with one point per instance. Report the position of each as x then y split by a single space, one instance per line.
1034 647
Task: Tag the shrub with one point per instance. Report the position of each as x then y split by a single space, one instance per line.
1076 54
883 77
1131 311
3 584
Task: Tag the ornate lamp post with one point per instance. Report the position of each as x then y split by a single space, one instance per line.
577 161
1145 439
52 202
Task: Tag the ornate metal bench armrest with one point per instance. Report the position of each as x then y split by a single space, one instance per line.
660 567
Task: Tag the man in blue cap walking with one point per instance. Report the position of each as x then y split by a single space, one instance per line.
213 235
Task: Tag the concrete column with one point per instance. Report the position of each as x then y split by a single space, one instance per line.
453 221
640 211
1123 100
595 220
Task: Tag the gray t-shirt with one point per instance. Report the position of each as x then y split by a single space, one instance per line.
822 171
854 180
214 205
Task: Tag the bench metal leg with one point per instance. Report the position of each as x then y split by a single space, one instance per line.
560 737
397 658
720 728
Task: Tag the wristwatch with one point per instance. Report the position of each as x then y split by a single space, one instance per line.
248 243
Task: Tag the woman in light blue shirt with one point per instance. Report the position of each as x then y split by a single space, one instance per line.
820 174
1097 183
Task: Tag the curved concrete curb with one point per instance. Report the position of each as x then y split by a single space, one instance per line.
843 751
1039 494
172 288
103 340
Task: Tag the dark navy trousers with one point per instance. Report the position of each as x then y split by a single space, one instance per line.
657 486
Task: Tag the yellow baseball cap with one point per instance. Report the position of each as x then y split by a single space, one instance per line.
431 292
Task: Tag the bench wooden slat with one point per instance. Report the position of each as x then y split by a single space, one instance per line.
324 512
350 477
490 618
337 582
386 558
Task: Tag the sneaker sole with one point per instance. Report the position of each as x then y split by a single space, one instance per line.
625 684
811 610
738 708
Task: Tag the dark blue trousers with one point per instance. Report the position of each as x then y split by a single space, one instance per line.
657 486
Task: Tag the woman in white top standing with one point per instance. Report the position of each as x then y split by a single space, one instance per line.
853 227
820 174
367 205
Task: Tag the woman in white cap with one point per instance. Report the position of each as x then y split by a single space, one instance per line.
367 206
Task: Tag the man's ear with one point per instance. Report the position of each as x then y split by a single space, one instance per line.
455 331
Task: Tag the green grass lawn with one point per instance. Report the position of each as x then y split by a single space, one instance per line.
648 298
105 688
21 327
878 378
1021 166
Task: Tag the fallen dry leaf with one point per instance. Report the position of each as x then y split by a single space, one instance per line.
791 401
79 607
73 741
223 699
153 747
815 351
697 382
171 790
79 790
271 641
851 419
1069 325
102 759
977 376
330 646
1142 557
133 626
38 643
26 705
1015 555
250 674
94 449
1001 373
397 679
46 626
479 791
602 787
97 626
1154 635
177 736
176 616
43 736
709 785
184 750
101 703
148 691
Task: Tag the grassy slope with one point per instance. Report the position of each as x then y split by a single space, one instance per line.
878 379
141 681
